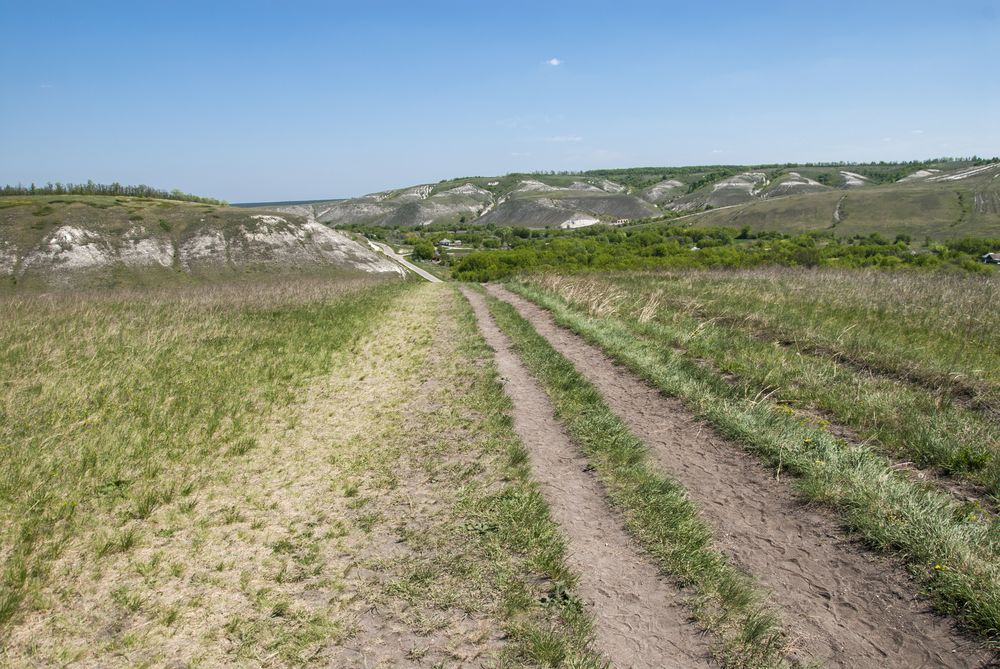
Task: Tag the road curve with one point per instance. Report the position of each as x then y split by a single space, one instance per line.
386 249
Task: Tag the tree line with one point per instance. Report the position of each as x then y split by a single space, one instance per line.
114 189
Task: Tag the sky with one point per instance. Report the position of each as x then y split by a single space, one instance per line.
265 100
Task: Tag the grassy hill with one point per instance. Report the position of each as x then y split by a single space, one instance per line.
954 204
940 199
89 240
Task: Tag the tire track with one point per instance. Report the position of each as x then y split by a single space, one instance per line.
640 619
847 606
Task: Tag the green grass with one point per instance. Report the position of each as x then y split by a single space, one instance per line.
933 329
114 404
935 210
656 508
812 340
509 524
952 552
442 272
265 470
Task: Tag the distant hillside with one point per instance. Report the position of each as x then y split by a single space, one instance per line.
102 240
939 203
938 199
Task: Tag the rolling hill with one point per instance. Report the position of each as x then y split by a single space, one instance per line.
85 240
937 199
962 202
109 240
512 200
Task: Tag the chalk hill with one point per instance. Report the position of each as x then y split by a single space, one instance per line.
940 199
102 240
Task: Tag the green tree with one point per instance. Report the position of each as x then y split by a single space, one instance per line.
423 250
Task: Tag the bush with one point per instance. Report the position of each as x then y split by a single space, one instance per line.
423 251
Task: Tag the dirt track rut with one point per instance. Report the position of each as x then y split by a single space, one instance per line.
845 605
640 619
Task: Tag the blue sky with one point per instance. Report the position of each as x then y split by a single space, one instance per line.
261 100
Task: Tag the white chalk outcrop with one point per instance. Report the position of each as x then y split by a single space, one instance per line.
261 240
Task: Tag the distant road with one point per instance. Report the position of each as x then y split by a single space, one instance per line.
386 249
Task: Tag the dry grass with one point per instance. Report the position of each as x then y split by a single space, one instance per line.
115 404
878 354
949 543
938 328
361 519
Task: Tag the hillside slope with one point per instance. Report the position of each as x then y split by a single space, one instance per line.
515 200
101 240
962 202
937 199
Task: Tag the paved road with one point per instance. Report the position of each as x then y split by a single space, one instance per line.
386 249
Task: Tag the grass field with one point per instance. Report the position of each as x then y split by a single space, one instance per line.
905 360
317 472
310 473
699 337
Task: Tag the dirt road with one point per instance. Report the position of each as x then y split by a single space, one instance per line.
848 607
640 619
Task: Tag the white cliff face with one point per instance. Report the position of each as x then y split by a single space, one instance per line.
853 179
273 240
205 248
8 259
69 248
966 173
793 184
334 247
662 191
265 240
139 249
467 189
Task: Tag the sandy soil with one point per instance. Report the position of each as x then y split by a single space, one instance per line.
846 605
639 618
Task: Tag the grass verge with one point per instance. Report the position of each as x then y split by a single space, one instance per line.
910 420
952 552
657 510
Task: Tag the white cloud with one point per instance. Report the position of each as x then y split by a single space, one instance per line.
563 139
917 132
554 62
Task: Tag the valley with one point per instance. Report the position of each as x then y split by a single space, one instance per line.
252 438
